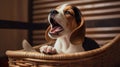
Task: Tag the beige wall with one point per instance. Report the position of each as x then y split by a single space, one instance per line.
14 10
11 39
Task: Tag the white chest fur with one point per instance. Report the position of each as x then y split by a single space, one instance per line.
63 45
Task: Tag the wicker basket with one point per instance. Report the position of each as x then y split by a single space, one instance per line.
106 56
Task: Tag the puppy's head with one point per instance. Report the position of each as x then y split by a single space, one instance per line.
66 20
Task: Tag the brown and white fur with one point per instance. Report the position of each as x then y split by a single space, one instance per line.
67 29
66 32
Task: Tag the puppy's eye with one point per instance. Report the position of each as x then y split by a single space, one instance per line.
68 12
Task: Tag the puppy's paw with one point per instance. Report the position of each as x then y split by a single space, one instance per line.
48 49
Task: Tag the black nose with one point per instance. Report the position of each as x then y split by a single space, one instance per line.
53 12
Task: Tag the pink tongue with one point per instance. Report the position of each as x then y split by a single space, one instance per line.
55 29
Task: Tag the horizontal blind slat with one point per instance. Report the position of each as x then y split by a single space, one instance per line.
90 9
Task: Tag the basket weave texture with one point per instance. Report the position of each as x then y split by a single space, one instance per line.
105 56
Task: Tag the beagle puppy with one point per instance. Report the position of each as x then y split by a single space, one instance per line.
66 32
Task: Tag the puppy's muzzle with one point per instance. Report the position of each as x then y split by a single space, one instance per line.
53 12
56 28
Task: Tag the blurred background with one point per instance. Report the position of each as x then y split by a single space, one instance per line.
27 19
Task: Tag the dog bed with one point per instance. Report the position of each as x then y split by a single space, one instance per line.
105 56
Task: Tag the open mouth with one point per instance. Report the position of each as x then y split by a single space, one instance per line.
56 28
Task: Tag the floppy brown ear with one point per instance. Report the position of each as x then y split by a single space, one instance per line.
46 35
78 34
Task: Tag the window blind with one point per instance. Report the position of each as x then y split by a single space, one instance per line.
91 9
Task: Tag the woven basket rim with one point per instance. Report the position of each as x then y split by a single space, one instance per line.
79 55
